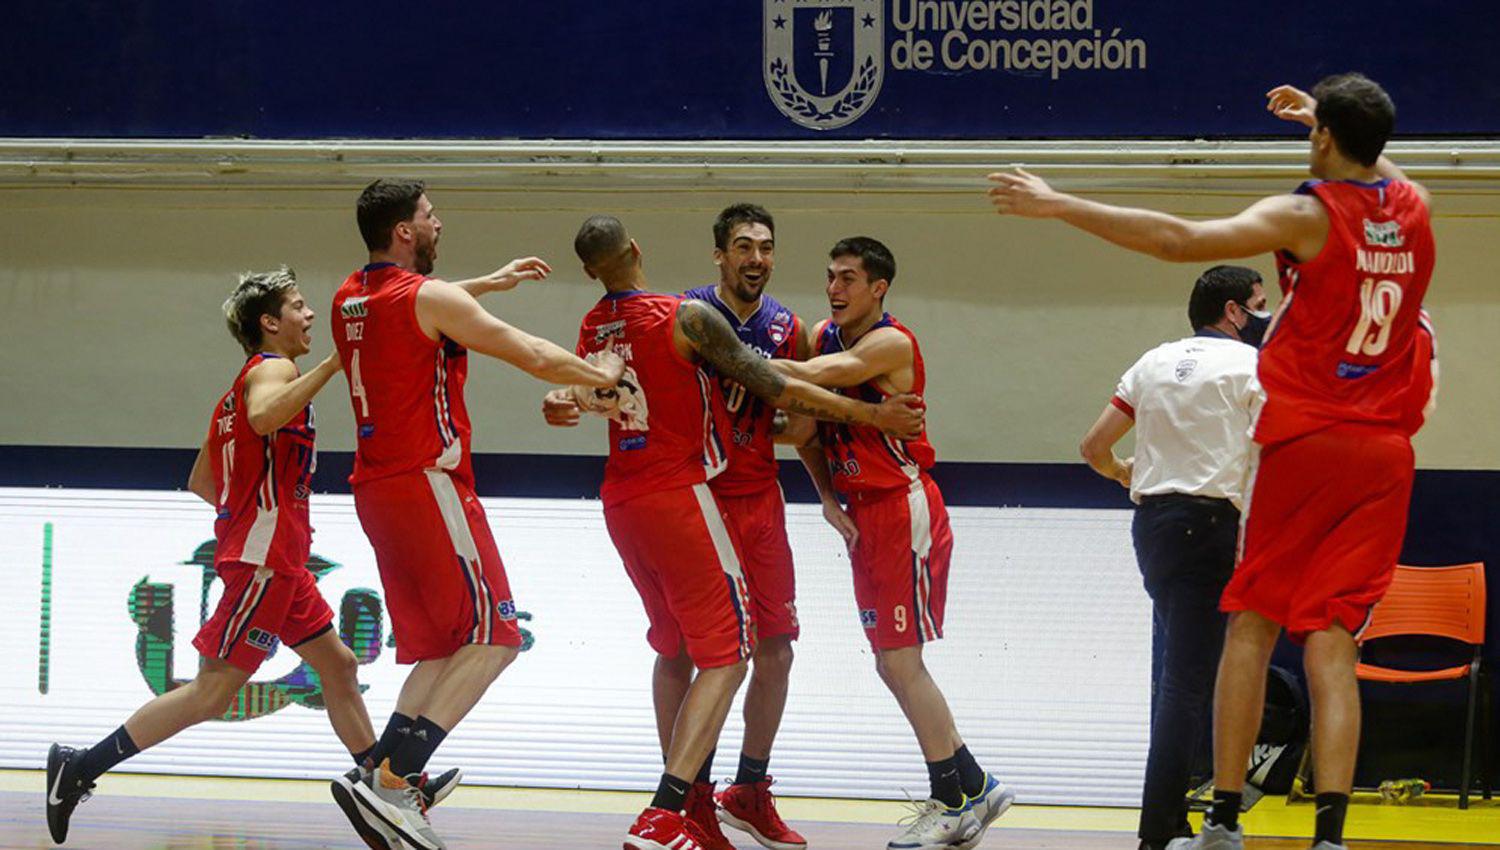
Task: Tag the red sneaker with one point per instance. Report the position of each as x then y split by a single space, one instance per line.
753 809
659 829
702 812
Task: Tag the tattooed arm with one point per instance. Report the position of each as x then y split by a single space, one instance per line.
706 332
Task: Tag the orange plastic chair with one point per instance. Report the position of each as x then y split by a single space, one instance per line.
1445 602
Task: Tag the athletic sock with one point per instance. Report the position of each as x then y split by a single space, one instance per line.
395 732
751 770
1332 807
970 774
98 759
671 793
706 771
413 754
1226 810
364 755
946 788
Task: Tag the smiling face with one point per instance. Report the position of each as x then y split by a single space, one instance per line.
745 264
852 296
289 333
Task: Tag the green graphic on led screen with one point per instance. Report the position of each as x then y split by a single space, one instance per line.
361 628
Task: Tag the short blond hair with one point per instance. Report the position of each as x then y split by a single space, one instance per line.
257 294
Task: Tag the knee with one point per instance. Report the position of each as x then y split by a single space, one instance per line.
341 671
212 697
678 667
897 673
774 658
736 672
497 658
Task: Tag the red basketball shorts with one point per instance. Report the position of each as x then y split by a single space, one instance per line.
901 564
445 586
684 560
259 607
1323 528
759 523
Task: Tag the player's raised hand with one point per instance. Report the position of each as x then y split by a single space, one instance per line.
560 409
513 273
1290 103
1019 192
842 523
903 415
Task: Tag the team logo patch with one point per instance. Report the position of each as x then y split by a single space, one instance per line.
779 327
609 329
506 609
354 308
301 492
824 60
1185 368
867 617
1386 234
261 639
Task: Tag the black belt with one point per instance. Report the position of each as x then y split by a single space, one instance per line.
1206 501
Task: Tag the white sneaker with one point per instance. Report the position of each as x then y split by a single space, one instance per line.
933 826
1328 845
991 803
1211 837
397 803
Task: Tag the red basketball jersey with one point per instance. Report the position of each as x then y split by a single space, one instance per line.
262 483
666 433
864 458
406 388
1344 344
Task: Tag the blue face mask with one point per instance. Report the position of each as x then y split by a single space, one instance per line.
1257 322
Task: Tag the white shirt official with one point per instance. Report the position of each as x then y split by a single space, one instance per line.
1192 401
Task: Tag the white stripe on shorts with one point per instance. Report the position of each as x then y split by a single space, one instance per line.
457 522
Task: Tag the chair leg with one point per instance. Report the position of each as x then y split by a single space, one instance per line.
1488 727
1463 787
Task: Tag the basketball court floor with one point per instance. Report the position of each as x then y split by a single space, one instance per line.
140 812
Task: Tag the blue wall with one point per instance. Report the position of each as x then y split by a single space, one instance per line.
693 69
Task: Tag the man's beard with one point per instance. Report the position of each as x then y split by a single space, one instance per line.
425 258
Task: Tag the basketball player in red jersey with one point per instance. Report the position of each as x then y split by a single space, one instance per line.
665 444
1347 374
897 531
404 339
254 468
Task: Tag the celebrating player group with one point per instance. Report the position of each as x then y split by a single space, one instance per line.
697 388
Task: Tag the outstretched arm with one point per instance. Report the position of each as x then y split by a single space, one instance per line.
1098 446
274 392
452 312
710 335
1296 223
507 277
881 352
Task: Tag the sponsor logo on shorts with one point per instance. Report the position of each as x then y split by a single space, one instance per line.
261 639
506 609
867 617
367 430
630 444
301 491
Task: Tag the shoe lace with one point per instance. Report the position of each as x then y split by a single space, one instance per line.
920 815
413 792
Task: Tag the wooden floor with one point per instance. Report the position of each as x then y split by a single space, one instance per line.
157 823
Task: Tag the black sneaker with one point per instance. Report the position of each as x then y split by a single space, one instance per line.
374 832
435 789
64 790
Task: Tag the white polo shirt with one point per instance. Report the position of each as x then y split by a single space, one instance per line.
1192 401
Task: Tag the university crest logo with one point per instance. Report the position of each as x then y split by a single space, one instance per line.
824 59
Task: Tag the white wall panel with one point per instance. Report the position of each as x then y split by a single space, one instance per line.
1046 663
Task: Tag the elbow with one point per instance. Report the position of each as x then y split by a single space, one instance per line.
1172 247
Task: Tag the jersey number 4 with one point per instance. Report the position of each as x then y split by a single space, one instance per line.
1378 304
357 387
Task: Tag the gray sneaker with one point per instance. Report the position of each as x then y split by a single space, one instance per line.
1328 845
1211 837
398 804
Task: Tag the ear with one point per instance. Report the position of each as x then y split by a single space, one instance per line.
269 324
879 288
402 232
